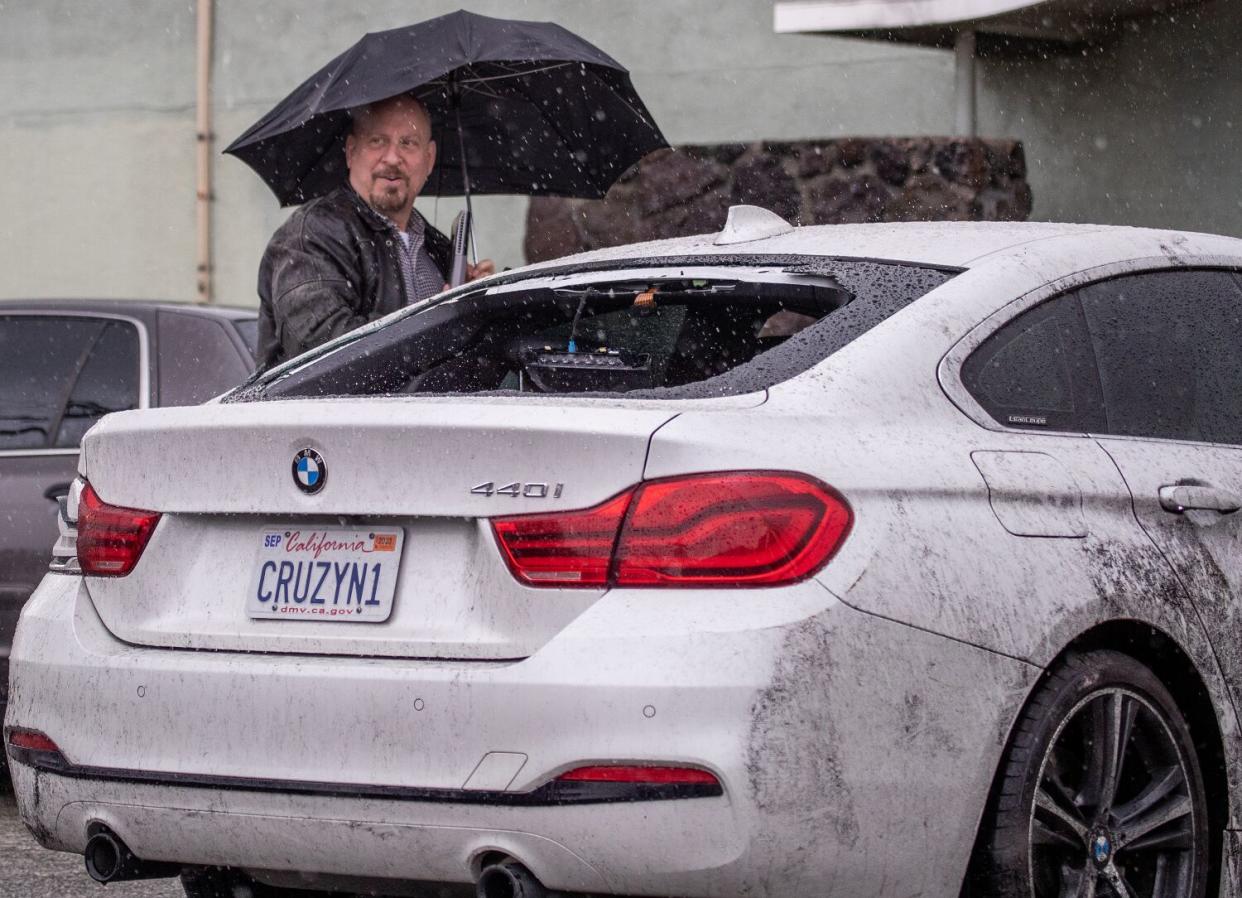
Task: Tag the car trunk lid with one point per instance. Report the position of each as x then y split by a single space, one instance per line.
428 471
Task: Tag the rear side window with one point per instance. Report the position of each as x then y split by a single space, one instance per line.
670 329
107 382
1038 370
1168 346
60 374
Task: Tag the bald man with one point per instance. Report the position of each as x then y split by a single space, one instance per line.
363 250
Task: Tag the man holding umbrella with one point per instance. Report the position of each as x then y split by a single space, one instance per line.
537 111
362 250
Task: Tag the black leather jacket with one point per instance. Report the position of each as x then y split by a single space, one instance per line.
332 267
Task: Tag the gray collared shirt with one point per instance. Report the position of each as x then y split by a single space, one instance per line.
419 274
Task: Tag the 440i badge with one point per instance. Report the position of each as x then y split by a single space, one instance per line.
310 472
517 488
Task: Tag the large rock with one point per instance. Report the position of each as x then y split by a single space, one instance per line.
761 180
891 159
963 162
688 190
553 228
669 178
813 159
929 197
845 200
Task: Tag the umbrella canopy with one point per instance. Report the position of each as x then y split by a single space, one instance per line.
535 109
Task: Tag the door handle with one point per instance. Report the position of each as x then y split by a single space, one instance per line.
54 492
1181 498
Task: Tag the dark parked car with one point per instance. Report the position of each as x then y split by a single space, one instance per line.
64 364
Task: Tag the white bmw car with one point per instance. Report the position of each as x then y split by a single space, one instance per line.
857 561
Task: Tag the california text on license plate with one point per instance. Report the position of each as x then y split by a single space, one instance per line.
325 573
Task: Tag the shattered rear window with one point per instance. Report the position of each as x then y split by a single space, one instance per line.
683 328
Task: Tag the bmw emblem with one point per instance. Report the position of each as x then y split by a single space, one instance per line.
310 472
1101 847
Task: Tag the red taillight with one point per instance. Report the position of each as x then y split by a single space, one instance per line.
31 740
751 529
663 776
740 528
110 538
573 549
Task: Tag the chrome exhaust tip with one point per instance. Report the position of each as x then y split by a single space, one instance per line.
509 880
103 856
108 859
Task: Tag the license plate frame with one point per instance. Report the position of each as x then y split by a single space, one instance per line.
337 574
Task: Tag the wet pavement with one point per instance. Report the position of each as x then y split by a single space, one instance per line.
28 871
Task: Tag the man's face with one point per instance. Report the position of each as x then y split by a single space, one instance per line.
390 154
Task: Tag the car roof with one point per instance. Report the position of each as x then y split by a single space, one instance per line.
137 307
938 244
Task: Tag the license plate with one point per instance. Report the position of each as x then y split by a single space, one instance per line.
325 573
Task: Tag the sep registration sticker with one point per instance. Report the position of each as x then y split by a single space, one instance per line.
325 574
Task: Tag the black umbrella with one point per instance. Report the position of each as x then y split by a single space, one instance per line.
536 110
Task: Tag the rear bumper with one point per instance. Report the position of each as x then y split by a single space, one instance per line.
554 793
841 759
387 840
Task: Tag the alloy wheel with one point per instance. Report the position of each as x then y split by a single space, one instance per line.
1113 813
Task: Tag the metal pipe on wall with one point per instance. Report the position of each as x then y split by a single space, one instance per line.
204 137
965 99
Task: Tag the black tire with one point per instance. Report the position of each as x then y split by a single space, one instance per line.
1137 829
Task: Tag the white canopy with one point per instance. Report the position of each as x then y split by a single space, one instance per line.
937 21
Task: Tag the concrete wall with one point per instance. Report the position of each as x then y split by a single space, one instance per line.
97 119
1146 130
97 149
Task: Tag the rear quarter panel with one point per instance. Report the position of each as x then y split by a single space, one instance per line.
929 548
